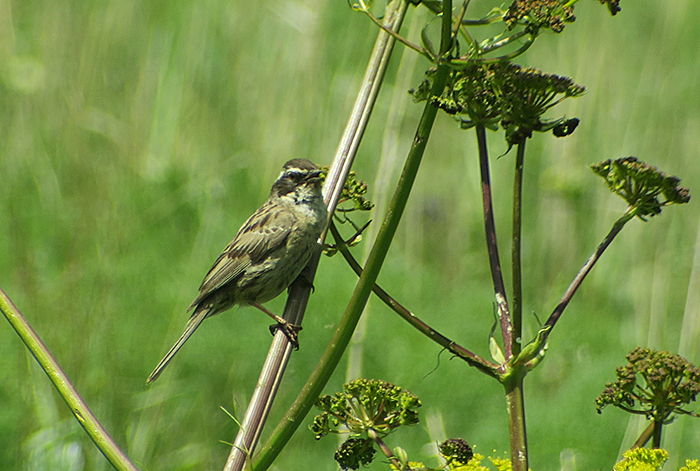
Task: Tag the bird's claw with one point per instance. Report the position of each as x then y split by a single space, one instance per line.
290 330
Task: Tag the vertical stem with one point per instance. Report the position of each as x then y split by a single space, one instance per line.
515 398
658 424
517 305
492 244
446 36
516 421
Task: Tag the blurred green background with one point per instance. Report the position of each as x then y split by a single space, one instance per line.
135 138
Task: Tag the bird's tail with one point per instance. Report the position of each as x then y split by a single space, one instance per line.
194 322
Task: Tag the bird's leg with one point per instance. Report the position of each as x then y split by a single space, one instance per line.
305 277
289 329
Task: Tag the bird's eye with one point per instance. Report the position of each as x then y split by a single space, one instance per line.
295 176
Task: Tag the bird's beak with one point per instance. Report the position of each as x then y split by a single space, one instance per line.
314 176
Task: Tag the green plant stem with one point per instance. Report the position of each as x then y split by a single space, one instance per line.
70 395
658 427
503 42
471 358
331 357
395 35
515 403
385 449
492 244
460 17
517 304
587 267
645 436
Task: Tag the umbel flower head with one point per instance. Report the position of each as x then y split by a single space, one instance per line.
353 190
355 452
367 409
468 91
536 14
655 384
526 94
503 92
456 450
613 6
645 188
366 404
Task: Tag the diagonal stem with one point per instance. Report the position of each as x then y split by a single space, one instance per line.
587 267
66 390
471 358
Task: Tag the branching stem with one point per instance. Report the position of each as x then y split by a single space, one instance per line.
471 358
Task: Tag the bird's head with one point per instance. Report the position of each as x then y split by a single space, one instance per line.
299 177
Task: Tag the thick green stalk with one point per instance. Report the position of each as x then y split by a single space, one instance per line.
70 395
516 421
658 428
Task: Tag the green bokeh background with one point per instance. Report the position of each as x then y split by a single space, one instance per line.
135 137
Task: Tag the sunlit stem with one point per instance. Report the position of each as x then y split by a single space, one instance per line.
587 267
503 42
517 305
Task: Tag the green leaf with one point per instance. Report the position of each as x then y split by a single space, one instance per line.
495 349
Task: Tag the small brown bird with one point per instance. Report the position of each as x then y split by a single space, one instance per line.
267 254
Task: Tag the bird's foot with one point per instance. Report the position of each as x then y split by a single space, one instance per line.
290 330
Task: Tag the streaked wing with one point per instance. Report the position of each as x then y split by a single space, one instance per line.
262 233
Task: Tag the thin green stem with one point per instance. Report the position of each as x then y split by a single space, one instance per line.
492 244
331 357
471 358
516 251
587 267
385 449
464 62
67 391
503 42
645 436
395 35
460 16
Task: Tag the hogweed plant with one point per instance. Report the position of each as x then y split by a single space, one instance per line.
474 79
